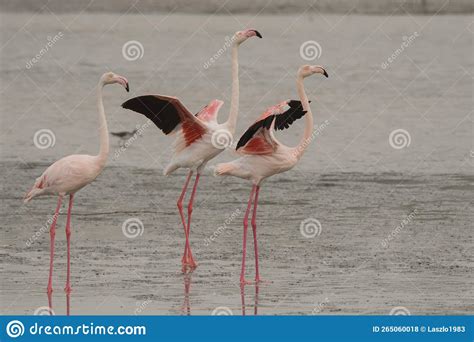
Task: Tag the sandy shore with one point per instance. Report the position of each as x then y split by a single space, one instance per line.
364 261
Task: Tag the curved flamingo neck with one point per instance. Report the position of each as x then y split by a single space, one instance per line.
308 129
234 102
103 131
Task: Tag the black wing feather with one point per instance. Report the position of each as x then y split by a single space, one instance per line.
283 120
252 130
163 114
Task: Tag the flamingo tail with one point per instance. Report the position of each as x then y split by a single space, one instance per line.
32 193
224 169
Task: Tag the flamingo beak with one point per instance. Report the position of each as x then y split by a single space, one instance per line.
324 73
251 33
123 81
258 34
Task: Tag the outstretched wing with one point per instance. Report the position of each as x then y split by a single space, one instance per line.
258 139
168 114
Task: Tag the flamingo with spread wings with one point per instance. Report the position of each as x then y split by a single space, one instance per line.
264 156
199 138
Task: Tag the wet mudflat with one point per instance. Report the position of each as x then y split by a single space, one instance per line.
364 260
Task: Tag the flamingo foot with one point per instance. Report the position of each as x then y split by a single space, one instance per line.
68 289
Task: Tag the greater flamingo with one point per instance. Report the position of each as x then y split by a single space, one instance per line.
199 137
264 156
70 174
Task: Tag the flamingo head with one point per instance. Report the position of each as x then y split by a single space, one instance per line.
308 70
111 78
241 36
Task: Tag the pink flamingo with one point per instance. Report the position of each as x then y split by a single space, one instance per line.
199 137
264 156
72 173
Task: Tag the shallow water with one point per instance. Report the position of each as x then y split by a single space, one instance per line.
346 269
351 179
426 91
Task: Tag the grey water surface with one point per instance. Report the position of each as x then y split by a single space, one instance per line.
395 222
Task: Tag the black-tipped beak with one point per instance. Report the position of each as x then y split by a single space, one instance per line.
258 34
325 73
127 88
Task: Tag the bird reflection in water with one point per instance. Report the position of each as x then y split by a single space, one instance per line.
242 297
50 303
186 308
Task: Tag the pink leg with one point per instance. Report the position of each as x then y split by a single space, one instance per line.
190 260
50 301
246 224
242 298
67 289
180 208
52 234
68 304
254 229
